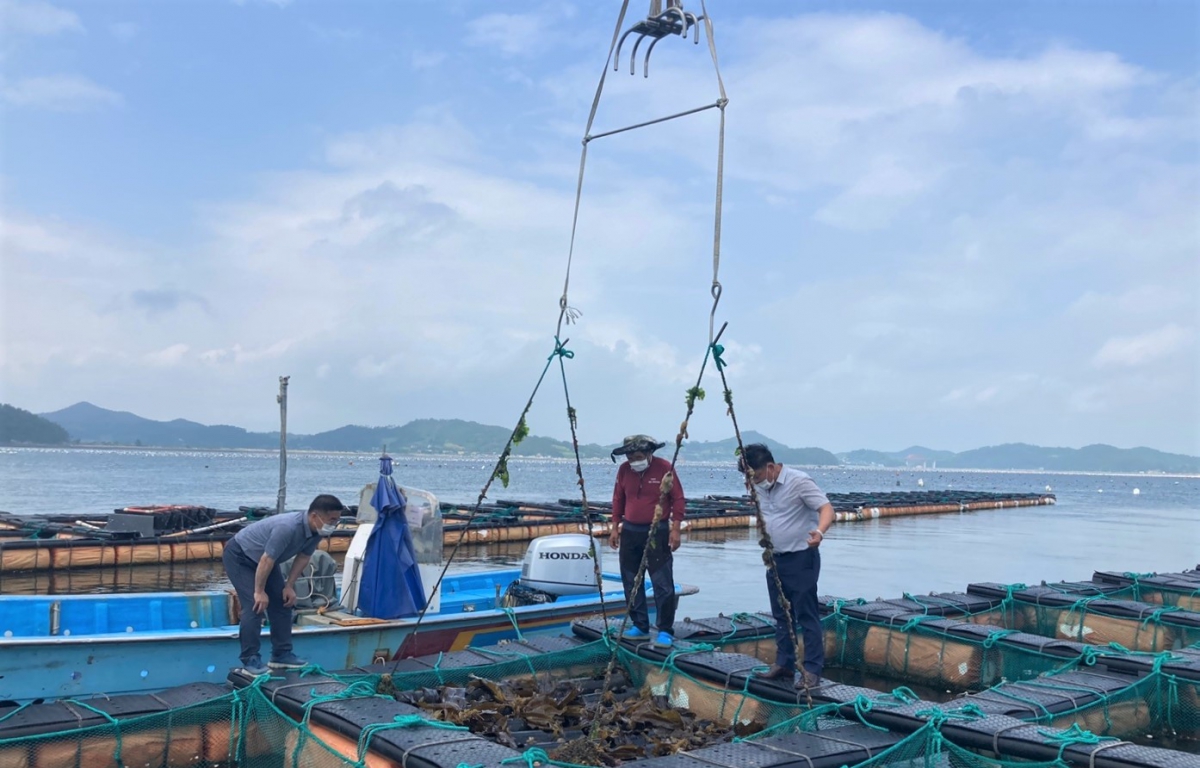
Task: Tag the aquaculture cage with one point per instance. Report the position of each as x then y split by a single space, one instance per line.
536 702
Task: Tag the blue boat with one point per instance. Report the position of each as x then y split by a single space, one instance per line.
80 645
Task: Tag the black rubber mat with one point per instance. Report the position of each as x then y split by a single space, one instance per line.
62 715
1017 739
946 603
1063 593
1050 695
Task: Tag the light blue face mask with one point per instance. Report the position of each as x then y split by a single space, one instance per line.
327 529
640 466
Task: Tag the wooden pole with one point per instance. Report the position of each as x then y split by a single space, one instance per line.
281 398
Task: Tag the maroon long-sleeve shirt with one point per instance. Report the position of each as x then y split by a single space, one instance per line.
636 493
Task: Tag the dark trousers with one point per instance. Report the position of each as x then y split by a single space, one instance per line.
240 570
659 570
798 572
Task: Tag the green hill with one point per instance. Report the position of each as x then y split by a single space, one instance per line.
1091 458
725 450
20 426
90 424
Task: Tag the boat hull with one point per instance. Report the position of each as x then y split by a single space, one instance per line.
61 667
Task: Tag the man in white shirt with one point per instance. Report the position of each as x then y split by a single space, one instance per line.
796 514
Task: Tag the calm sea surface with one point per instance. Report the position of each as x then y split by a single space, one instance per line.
1099 522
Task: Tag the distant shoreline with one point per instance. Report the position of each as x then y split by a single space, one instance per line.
518 459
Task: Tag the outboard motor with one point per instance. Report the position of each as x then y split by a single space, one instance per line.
561 565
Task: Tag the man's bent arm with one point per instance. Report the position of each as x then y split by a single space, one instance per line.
826 518
297 568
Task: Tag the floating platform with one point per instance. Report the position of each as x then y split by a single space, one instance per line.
1082 705
64 543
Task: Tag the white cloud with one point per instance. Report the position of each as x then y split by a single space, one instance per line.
169 356
60 93
513 34
36 19
239 355
1140 350
935 242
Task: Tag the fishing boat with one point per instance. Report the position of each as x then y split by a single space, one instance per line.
80 645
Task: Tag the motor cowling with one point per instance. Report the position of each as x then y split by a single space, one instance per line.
561 564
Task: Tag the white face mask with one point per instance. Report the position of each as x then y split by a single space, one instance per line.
764 485
327 529
640 466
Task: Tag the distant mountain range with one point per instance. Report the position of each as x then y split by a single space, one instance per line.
89 424
1090 458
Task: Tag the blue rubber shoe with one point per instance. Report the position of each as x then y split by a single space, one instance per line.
664 640
287 661
633 633
254 666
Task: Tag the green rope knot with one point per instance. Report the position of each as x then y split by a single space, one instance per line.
1011 588
937 716
905 695
1157 615
717 351
996 636
862 707
915 622
400 721
560 350
361 689
311 669
1089 656
693 648
1073 736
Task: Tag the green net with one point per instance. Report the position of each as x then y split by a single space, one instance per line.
241 728
245 729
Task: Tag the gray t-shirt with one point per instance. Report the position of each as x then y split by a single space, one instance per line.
280 536
790 509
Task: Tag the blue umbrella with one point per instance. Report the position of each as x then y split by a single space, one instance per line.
391 581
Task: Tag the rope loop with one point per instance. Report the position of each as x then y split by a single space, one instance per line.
1073 736
994 637
560 350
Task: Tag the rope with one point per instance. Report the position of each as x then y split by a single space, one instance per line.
512 616
1071 737
113 722
571 419
695 648
400 721
693 394
862 707
499 471
722 102
998 635
363 689
565 312
764 539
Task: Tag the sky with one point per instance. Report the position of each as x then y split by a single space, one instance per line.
947 224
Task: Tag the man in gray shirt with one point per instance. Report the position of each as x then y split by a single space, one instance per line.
251 561
796 515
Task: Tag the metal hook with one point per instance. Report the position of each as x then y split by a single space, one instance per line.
659 23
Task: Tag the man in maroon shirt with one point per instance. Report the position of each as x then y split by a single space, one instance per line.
635 495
